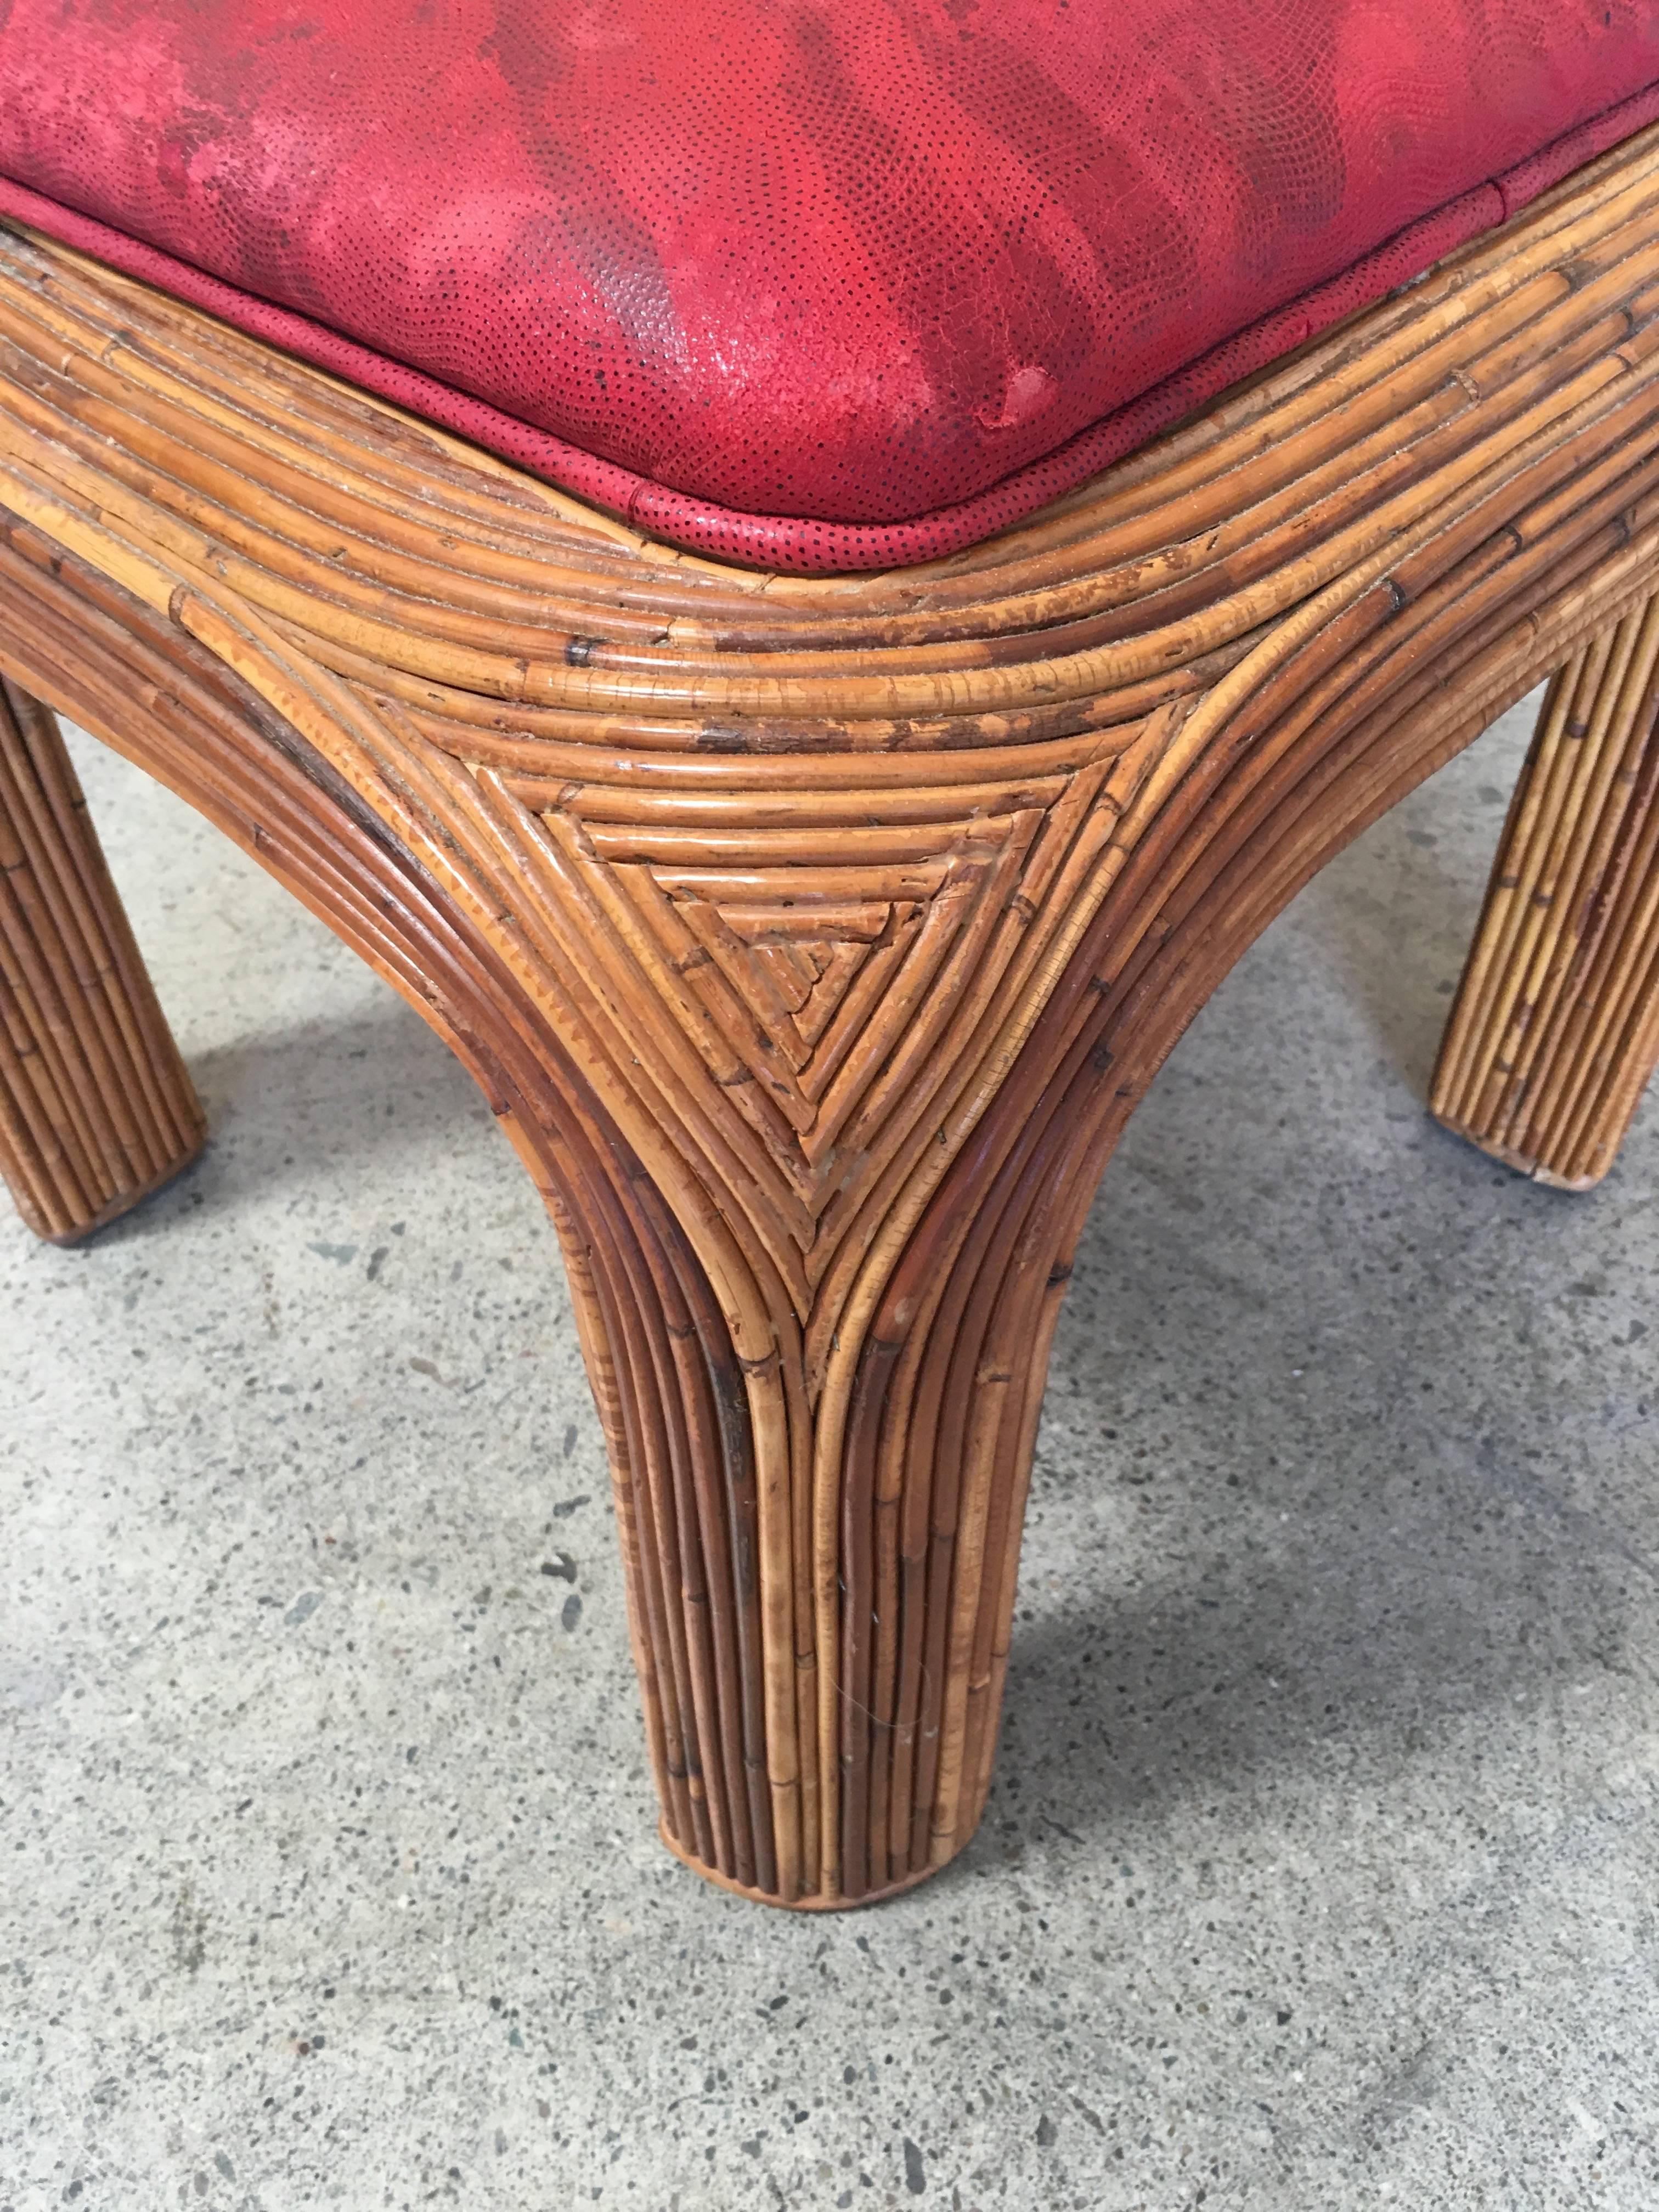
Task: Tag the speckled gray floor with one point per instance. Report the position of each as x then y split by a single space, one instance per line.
1322 1866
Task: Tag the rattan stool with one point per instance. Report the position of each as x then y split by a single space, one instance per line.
813 938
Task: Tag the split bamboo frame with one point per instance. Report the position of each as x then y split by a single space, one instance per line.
813 939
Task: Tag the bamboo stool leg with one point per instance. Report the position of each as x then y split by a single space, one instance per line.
1555 1029
96 1109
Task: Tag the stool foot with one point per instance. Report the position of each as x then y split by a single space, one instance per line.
1555 1029
96 1109
834 1902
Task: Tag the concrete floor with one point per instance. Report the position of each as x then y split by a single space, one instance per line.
1322 1865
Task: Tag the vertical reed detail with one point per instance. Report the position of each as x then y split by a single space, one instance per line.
1555 1029
96 1109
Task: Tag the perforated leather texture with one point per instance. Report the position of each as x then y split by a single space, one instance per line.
815 286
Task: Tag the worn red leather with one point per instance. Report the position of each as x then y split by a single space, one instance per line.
815 286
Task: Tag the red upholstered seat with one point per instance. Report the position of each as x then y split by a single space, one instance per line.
822 286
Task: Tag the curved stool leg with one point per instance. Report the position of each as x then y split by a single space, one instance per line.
96 1109
1555 1029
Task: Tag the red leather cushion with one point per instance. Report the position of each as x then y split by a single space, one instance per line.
826 286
